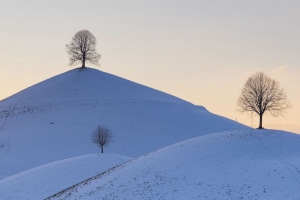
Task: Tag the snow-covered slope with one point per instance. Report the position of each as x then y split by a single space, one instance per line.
45 180
53 120
249 164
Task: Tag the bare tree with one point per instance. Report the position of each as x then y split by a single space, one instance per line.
82 49
261 93
102 136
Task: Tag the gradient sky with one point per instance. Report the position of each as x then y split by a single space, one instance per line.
199 50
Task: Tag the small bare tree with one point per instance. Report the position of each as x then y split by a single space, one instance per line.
82 49
261 93
102 136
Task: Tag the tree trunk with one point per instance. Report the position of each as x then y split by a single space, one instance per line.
102 149
83 61
260 121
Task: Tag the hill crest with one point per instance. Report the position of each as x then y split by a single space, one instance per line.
244 164
53 120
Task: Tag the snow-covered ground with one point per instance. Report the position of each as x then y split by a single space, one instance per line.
45 180
53 120
244 164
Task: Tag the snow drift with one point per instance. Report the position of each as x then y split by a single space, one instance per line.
45 180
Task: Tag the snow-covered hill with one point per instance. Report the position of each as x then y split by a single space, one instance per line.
53 120
248 164
45 180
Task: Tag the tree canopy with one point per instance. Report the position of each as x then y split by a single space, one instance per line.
82 49
260 94
102 136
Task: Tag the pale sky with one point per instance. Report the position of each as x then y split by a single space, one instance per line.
198 50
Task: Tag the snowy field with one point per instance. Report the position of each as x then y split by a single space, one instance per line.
248 164
45 180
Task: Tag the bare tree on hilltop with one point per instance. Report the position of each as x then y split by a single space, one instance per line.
82 49
261 93
102 136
